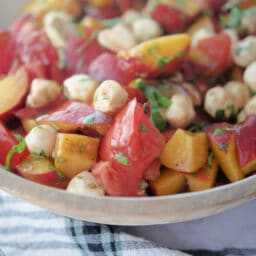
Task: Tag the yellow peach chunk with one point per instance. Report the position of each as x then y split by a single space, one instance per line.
203 179
169 182
165 48
75 153
185 151
226 155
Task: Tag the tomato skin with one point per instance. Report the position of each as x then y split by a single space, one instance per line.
107 12
80 55
135 138
7 51
110 66
7 141
172 19
217 52
215 5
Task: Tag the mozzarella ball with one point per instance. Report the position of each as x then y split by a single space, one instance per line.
241 116
109 97
42 92
239 92
248 23
244 52
117 38
80 88
181 112
199 35
130 16
145 29
217 99
250 107
85 184
57 25
41 139
250 76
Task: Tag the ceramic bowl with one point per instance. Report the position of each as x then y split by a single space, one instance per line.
123 211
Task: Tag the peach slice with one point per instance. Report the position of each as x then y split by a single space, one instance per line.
222 140
41 170
203 179
185 151
13 90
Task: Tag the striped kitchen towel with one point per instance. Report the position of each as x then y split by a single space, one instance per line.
26 230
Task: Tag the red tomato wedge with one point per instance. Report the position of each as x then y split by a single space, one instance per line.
7 52
7 141
80 52
172 19
213 55
130 146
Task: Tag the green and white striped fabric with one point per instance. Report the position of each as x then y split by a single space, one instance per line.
26 230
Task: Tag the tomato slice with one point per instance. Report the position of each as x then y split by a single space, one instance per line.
7 52
80 52
216 55
172 19
7 141
130 146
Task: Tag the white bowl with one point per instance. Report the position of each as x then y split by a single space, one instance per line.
131 211
123 211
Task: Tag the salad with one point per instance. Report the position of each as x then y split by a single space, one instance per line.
129 98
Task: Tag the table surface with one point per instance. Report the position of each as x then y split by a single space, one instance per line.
235 228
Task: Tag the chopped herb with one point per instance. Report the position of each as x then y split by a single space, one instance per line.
60 174
66 92
41 117
54 154
110 22
210 158
80 63
234 18
223 146
91 186
51 167
81 149
143 185
240 49
162 61
89 119
79 177
15 64
61 59
122 159
35 155
181 55
19 148
143 128
80 49
231 108
157 100
56 127
218 131
197 127
220 114
152 49
61 160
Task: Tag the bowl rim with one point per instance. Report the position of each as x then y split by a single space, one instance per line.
131 210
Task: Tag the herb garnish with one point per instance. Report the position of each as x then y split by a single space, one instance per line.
19 148
122 159
218 131
157 100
